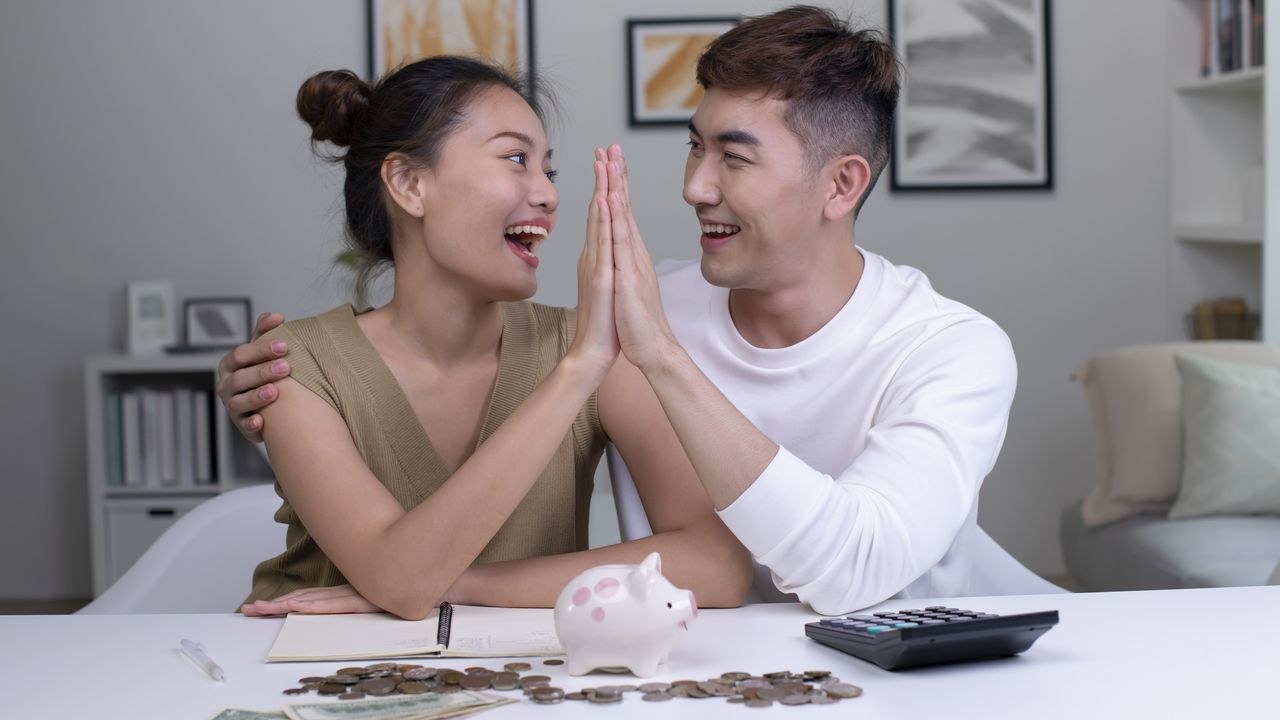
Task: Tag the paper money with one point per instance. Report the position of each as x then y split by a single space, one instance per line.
238 714
418 707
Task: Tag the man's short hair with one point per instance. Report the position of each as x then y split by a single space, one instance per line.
840 86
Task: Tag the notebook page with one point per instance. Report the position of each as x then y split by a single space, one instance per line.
502 632
357 636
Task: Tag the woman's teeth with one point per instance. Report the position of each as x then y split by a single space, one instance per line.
525 230
718 229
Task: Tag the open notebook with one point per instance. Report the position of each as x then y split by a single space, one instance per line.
449 631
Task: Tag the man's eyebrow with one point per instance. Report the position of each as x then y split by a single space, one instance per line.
742 137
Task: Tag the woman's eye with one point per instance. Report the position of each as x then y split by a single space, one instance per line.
552 175
519 158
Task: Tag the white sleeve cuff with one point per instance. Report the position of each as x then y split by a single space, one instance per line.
779 502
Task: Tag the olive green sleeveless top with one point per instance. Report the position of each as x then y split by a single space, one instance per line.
331 356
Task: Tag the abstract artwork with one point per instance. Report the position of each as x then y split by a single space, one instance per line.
662 57
402 31
974 112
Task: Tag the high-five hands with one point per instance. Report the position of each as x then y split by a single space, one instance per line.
642 326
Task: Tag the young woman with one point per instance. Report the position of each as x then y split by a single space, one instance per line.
442 446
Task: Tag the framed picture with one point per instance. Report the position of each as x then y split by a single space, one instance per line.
402 31
216 322
152 317
975 109
662 60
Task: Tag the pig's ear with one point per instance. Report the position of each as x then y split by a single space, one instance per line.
653 562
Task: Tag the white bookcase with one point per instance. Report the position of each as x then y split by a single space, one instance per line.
124 520
1219 178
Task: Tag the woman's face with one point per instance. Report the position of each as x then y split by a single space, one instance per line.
489 197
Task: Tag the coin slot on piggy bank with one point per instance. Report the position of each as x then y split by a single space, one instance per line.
622 617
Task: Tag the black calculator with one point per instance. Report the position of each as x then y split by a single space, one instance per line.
936 634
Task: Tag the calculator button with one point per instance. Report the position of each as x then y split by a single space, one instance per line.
907 625
877 629
933 622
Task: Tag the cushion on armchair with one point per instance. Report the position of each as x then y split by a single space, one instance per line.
1135 405
1230 439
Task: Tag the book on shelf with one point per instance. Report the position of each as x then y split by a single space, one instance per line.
112 439
1222 319
449 631
162 438
1257 33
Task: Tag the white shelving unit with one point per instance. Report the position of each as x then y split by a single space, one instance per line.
125 520
1219 178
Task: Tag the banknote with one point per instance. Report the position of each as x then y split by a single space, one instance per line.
238 714
418 707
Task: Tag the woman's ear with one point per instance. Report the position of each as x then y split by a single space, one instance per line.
403 182
850 179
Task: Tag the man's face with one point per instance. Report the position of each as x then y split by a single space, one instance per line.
759 207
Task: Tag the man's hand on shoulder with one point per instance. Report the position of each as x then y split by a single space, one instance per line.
246 376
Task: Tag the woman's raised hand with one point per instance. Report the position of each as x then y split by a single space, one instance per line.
638 313
597 338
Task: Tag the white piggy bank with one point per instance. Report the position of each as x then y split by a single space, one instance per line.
622 616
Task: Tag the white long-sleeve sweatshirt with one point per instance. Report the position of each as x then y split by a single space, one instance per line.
888 418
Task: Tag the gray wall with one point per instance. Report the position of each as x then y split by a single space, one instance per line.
156 140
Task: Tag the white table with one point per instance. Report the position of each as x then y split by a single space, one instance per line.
1159 654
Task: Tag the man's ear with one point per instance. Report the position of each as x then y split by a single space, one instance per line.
849 179
402 179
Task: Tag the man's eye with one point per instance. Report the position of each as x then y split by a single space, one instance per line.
734 158
695 147
519 158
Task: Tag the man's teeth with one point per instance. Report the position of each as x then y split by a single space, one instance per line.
525 230
718 229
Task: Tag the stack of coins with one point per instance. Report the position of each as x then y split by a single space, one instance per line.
814 687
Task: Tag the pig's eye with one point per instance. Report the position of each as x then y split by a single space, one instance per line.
668 606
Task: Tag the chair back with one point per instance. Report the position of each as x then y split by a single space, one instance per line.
204 562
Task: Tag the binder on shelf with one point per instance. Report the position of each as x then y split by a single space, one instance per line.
150 402
184 427
131 432
112 440
1257 33
168 438
203 438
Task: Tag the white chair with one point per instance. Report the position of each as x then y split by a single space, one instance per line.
204 562
995 571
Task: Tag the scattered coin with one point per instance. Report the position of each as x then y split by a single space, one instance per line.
816 687
843 691
420 673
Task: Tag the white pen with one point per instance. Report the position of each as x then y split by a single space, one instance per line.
195 651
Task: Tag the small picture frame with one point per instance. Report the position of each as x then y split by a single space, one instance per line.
404 31
975 110
152 317
216 323
662 61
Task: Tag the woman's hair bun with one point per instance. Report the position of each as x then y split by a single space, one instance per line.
331 102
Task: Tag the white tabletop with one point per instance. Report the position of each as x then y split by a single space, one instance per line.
1171 653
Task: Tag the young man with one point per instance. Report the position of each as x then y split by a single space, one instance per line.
840 414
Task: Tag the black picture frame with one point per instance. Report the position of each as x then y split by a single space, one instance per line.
376 61
677 73
214 323
975 132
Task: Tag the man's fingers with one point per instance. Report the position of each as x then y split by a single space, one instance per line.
266 323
